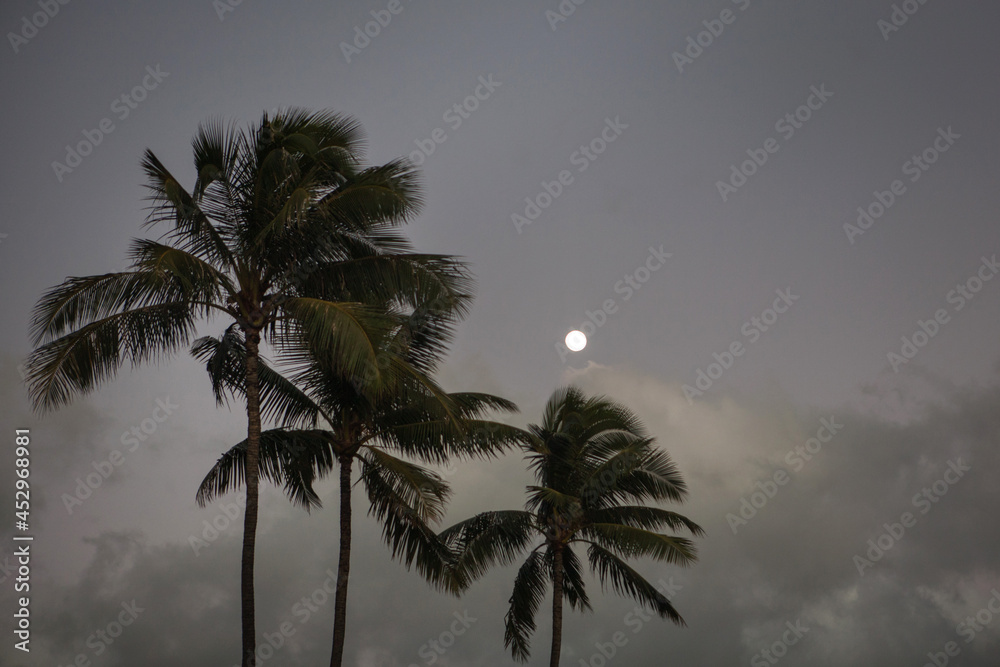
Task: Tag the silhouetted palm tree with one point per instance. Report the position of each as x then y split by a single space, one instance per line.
592 460
278 215
332 423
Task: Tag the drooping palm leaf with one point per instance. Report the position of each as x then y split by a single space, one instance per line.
291 458
530 586
627 582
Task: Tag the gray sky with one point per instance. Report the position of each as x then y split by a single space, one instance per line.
870 101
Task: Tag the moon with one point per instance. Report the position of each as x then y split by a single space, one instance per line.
576 340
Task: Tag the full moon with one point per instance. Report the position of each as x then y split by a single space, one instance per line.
576 340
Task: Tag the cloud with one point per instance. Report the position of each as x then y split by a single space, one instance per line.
791 562
793 558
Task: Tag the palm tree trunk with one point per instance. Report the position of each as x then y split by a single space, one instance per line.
557 604
344 567
250 513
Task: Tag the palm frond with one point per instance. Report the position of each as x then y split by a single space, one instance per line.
489 539
346 333
648 518
291 458
421 489
632 542
281 400
192 227
628 583
196 279
658 478
387 193
405 531
80 301
574 588
529 591
551 499
79 362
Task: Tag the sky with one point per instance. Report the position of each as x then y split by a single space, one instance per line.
776 222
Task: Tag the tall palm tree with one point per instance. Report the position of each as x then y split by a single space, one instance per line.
277 214
329 422
593 462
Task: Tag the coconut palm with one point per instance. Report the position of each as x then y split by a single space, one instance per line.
329 422
278 213
594 463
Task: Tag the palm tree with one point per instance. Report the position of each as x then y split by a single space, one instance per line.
589 457
329 422
278 213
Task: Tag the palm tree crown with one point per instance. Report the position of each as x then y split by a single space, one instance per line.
594 464
284 235
327 420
